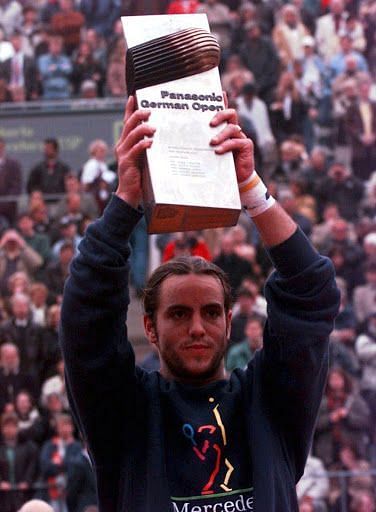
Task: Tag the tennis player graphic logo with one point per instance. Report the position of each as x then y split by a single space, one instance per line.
205 443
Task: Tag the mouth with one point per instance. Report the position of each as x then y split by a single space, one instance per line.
197 347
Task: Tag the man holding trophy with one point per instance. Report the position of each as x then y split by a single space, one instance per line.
188 439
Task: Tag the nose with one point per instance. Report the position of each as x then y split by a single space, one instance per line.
196 328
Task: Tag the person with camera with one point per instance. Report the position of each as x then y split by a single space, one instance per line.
186 438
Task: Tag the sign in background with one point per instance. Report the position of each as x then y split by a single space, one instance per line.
74 125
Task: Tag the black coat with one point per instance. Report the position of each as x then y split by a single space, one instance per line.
25 470
47 181
30 343
29 72
12 384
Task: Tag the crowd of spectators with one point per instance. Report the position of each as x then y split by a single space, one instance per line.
301 75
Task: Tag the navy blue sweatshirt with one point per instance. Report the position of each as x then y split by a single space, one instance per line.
159 446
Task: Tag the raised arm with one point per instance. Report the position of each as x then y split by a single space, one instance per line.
100 366
302 304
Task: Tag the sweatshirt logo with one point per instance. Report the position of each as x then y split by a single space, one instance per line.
210 443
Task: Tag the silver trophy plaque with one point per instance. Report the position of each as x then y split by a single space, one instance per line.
172 69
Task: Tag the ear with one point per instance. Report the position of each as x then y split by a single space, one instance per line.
150 331
228 323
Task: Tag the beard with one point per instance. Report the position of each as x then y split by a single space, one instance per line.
194 368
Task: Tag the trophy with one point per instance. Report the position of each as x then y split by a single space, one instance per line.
172 69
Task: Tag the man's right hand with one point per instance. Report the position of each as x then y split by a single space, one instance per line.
135 138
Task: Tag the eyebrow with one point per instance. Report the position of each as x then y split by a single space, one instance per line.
218 305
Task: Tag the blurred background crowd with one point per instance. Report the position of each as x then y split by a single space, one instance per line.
301 75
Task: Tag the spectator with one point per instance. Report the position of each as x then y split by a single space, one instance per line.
235 266
10 15
291 163
27 336
240 354
25 410
346 254
81 488
260 56
19 282
38 304
235 76
315 168
254 110
343 415
244 308
49 8
37 241
96 177
115 77
98 45
44 428
10 184
314 484
86 67
55 69
68 234
57 272
247 12
365 295
30 26
20 71
341 188
71 206
16 255
51 342
361 128
18 465
328 28
368 205
56 459
182 7
101 14
364 502
12 380
48 175
55 385
288 201
366 351
288 35
288 110
67 23
190 243
354 28
338 62
219 17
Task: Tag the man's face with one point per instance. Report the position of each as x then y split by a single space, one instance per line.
49 150
10 360
336 7
25 225
55 46
20 309
9 431
191 328
16 42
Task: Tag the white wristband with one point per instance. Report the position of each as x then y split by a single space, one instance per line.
254 195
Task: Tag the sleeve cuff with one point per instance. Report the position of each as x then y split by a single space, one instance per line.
120 218
293 255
